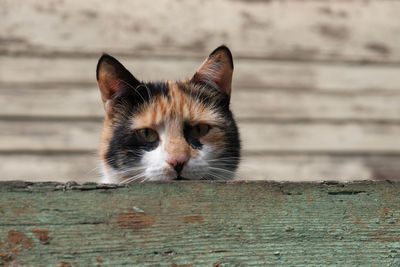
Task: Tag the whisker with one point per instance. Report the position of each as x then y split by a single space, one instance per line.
97 169
145 179
218 177
220 169
132 179
130 86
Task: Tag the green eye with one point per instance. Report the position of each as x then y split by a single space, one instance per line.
199 130
147 135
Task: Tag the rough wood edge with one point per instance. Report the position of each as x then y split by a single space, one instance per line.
26 186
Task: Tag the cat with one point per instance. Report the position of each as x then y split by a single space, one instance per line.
169 130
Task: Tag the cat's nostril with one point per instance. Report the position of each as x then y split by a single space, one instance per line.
178 167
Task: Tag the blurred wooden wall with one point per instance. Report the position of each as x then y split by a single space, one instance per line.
316 87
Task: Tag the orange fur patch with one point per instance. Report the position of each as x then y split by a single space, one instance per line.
169 115
180 106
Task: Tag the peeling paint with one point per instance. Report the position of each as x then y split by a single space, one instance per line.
42 235
17 240
254 223
64 264
135 220
193 219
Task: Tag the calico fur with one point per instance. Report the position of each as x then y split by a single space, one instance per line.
189 130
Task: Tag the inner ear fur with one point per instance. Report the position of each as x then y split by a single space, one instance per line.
217 70
112 76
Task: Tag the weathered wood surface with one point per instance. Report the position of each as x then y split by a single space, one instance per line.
200 224
249 73
342 137
316 86
82 101
320 30
59 166
83 166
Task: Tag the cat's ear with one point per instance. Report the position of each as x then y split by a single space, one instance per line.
217 70
112 76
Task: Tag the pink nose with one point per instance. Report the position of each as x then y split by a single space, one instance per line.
177 164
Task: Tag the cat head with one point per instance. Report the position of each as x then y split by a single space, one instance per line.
170 130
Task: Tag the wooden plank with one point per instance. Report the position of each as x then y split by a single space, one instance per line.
185 224
248 73
355 30
340 137
84 167
53 102
49 135
84 102
319 166
61 167
82 135
315 105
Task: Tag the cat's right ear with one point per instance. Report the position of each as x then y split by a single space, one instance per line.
112 76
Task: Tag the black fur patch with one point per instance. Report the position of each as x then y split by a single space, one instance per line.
213 97
131 99
226 51
125 147
209 95
193 142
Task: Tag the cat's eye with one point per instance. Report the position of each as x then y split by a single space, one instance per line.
199 130
147 135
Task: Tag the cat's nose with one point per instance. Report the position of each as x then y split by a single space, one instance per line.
177 164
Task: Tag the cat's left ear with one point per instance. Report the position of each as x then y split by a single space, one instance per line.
217 70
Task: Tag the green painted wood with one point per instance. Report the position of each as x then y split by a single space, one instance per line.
200 224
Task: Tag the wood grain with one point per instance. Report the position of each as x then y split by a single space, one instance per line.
192 224
83 167
74 101
336 30
49 135
304 166
316 87
61 166
84 135
248 73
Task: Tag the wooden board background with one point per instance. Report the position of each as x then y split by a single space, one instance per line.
316 87
200 224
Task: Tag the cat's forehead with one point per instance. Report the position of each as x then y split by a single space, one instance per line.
180 104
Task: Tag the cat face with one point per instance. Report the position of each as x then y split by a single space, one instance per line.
171 130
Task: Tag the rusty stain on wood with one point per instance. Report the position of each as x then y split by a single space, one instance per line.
15 244
183 224
135 220
64 264
193 219
42 235
17 240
